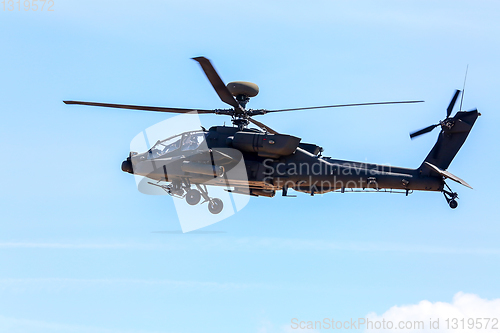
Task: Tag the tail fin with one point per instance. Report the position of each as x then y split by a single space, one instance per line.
454 132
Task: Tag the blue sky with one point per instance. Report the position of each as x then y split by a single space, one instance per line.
81 250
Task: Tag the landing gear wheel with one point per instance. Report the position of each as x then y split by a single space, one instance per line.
215 206
450 197
193 197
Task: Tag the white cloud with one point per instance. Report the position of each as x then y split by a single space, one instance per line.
91 246
22 284
247 244
17 325
464 306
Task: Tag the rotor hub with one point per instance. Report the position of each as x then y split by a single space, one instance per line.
241 123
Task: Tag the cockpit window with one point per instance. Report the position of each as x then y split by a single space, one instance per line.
186 141
171 145
165 147
192 141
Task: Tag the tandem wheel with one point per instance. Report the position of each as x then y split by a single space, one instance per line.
215 206
193 197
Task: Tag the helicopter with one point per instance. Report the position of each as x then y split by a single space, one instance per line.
183 165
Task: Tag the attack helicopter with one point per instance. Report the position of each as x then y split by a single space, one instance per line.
183 165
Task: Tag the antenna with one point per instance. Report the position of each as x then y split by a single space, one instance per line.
463 89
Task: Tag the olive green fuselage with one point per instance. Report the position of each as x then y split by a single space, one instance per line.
276 162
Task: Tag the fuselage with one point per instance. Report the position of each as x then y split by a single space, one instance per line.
272 162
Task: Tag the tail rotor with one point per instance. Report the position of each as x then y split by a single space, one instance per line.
442 123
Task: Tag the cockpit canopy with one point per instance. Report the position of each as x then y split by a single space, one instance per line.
183 142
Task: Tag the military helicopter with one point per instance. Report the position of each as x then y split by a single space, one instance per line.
184 164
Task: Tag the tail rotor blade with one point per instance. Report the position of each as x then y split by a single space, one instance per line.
217 83
423 131
452 103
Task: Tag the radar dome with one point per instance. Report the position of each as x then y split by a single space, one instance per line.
248 89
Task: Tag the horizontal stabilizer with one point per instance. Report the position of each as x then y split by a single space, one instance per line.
448 175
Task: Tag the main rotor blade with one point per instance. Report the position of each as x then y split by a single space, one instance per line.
217 83
139 107
261 125
343 105
423 131
452 103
